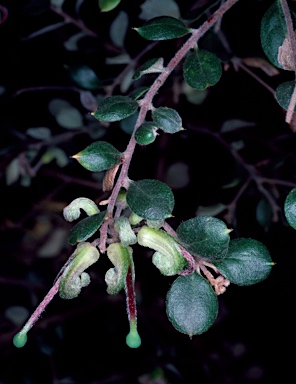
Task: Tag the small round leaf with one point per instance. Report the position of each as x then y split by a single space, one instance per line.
284 92
115 108
167 119
150 199
99 156
290 208
205 236
86 228
248 262
202 69
163 28
192 305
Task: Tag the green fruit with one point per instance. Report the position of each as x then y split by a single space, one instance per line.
146 133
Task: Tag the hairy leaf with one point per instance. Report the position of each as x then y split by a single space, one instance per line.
273 32
205 236
86 228
248 262
163 28
284 92
192 305
98 156
150 199
115 108
202 69
290 208
151 66
167 119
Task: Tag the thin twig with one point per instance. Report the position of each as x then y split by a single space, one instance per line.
146 105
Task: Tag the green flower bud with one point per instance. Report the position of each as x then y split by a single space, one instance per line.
120 257
146 133
126 234
72 211
74 278
168 257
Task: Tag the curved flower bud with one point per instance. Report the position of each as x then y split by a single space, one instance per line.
120 257
72 211
168 257
74 278
124 229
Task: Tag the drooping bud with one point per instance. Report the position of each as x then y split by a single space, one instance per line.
72 211
74 278
168 257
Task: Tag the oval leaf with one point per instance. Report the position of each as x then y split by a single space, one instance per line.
137 93
150 199
284 92
151 66
205 236
118 29
108 5
290 208
167 119
273 32
202 69
86 228
163 28
248 262
192 305
99 156
84 77
115 108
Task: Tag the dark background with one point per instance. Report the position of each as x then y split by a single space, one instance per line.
83 340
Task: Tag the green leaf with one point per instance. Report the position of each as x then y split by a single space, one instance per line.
290 208
118 29
192 305
264 213
248 262
39 133
167 119
128 124
13 171
273 32
151 66
139 92
65 114
57 154
86 228
205 236
163 28
108 5
202 69
150 199
155 8
84 77
115 108
98 156
284 92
